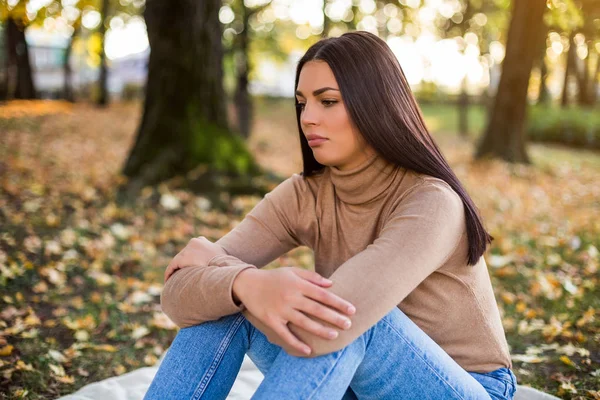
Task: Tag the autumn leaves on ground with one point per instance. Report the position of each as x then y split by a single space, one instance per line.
81 274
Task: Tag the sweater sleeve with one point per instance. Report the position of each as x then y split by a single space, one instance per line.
203 293
423 231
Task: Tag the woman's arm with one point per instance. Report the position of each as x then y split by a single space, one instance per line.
421 234
203 292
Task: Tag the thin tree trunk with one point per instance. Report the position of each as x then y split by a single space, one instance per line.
596 80
326 21
103 98
564 102
505 133
352 24
68 84
4 67
583 79
184 123
544 95
463 110
20 75
242 97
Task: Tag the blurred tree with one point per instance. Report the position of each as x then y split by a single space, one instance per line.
19 78
68 93
483 19
543 93
73 13
240 50
505 133
578 21
184 122
569 65
459 25
103 81
588 34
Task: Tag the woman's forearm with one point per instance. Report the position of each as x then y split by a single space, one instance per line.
241 283
198 294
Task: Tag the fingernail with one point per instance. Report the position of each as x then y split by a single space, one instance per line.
347 324
327 280
306 350
332 334
351 309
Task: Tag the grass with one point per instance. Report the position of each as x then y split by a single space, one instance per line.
80 273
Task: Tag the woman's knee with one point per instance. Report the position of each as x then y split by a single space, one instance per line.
206 329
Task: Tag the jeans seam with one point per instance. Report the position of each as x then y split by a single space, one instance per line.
203 384
339 355
424 360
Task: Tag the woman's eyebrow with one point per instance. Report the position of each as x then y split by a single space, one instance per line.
318 91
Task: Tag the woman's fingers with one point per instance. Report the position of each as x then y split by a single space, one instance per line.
171 268
312 276
301 320
323 296
284 332
324 313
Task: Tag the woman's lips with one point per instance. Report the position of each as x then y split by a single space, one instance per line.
316 142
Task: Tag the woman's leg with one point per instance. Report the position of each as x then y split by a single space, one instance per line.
204 360
393 359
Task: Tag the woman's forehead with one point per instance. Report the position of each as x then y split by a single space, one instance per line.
316 75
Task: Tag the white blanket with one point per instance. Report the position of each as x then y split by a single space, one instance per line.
133 385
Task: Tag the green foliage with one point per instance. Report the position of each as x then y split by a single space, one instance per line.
219 148
564 14
573 126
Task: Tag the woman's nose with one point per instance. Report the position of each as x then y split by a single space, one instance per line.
309 115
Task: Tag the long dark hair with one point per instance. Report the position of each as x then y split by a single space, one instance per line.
381 105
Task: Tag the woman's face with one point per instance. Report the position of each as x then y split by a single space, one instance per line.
323 114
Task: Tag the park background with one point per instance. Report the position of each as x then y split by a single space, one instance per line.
128 127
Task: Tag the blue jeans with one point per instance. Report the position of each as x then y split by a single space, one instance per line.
394 359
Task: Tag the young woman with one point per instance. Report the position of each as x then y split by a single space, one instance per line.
408 312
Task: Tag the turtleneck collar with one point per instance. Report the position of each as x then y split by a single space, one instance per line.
364 182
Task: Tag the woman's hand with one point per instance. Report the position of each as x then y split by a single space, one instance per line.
199 251
287 294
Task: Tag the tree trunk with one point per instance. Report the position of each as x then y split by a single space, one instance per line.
568 67
544 95
103 81
20 75
505 133
242 97
463 110
326 22
584 78
68 84
184 122
596 80
4 67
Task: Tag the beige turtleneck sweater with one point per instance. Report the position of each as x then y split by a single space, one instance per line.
386 236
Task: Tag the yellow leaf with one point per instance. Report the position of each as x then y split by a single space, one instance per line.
24 367
106 347
119 369
82 336
6 350
566 360
57 370
68 379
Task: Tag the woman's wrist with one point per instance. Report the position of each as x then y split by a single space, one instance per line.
241 282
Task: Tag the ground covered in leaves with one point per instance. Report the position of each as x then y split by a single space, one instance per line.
81 273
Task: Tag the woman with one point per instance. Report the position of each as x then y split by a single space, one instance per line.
409 310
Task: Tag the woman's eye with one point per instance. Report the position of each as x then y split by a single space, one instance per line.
328 103
300 106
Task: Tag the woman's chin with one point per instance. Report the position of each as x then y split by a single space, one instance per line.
327 161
